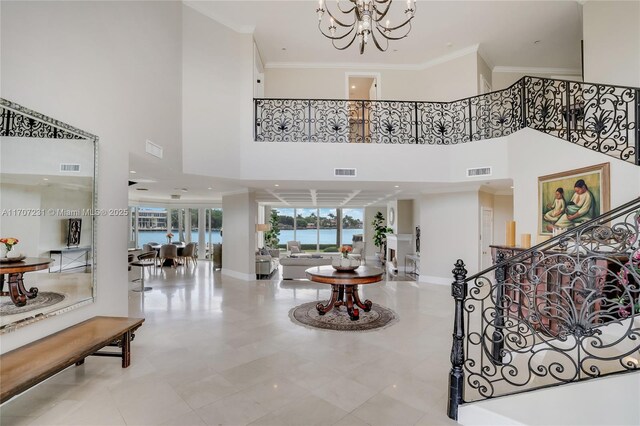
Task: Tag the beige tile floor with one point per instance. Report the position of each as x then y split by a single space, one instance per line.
218 351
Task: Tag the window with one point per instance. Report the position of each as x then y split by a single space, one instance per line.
352 224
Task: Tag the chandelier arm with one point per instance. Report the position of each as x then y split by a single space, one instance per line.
388 37
337 21
329 36
345 47
381 14
375 41
345 11
397 27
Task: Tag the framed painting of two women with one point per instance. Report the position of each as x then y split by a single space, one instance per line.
570 198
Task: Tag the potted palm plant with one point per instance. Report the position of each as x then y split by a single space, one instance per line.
379 235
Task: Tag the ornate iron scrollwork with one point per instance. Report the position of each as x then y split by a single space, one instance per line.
555 314
599 117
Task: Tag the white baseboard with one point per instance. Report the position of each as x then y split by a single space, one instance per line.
238 275
435 280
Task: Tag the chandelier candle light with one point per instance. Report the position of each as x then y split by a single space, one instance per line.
367 22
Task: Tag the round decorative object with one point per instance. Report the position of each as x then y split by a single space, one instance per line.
392 216
338 319
12 259
42 300
345 268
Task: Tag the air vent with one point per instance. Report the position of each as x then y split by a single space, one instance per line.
479 171
344 172
141 189
65 167
175 196
153 149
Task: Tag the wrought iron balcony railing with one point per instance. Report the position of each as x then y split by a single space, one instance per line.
563 311
600 117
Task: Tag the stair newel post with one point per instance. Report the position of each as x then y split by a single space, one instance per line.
456 375
498 335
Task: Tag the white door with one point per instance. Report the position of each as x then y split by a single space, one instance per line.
486 237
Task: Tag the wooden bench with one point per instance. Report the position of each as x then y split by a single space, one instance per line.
29 365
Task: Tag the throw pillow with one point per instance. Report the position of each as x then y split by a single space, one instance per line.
295 249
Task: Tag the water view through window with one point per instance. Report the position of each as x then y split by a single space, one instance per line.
320 229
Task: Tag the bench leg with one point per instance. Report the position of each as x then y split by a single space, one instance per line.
126 349
80 362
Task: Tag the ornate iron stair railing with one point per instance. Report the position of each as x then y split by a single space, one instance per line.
565 310
600 117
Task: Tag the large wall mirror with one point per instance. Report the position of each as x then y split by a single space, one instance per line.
47 203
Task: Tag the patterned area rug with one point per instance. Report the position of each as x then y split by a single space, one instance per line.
42 300
338 319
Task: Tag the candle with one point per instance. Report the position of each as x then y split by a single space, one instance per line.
511 233
525 240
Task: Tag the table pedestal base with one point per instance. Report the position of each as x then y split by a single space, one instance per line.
17 291
345 294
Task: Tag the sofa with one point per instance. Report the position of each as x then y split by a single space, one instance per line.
265 265
293 267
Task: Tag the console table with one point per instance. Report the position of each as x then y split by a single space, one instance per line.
72 255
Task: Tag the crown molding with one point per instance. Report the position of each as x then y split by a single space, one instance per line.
485 57
378 66
538 70
198 7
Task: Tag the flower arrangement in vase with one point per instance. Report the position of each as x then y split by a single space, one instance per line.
8 244
344 262
169 237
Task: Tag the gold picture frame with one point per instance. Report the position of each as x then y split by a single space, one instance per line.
569 198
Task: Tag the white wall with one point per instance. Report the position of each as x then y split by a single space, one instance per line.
611 33
113 69
450 227
369 214
451 80
503 79
526 148
217 93
587 403
502 213
240 215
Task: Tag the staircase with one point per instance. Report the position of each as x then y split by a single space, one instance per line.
566 310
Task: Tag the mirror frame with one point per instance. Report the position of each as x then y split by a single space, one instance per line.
19 121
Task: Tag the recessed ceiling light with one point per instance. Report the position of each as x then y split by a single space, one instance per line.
397 186
276 184
184 190
512 187
45 178
449 44
132 172
209 188
353 87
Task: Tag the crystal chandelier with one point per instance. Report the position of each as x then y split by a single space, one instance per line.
368 23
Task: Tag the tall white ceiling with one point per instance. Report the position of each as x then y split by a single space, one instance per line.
505 30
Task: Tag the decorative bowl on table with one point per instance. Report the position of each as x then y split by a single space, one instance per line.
344 264
13 259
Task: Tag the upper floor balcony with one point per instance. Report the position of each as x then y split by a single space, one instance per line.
602 118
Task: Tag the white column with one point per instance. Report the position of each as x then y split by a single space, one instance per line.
201 233
187 225
238 250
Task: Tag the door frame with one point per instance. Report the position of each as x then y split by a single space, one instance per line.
375 75
482 237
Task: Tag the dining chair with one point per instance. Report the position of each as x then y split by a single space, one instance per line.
189 253
169 252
